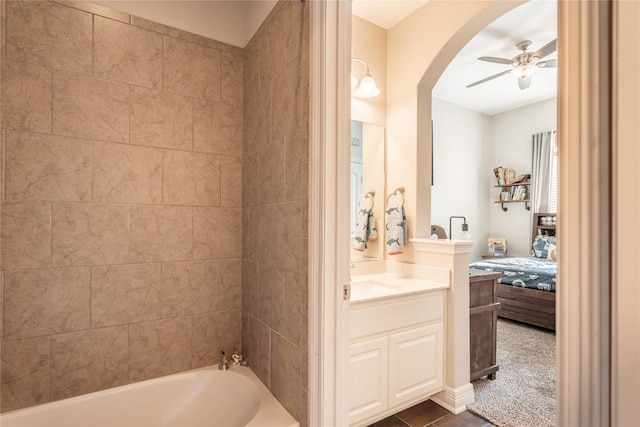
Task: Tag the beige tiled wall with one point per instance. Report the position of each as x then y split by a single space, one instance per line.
121 213
276 156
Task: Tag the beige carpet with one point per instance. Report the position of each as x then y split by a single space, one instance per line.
523 393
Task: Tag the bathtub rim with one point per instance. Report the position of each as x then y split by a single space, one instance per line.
271 413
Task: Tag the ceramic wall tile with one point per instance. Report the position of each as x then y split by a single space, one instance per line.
45 302
159 347
25 373
230 181
287 101
285 382
190 287
26 97
212 334
122 294
292 324
272 173
26 235
191 178
271 303
161 233
258 121
263 348
161 119
295 158
217 127
45 167
89 234
87 361
126 174
258 243
250 289
251 180
97 9
49 34
179 34
192 69
285 238
232 77
217 233
127 54
231 284
86 107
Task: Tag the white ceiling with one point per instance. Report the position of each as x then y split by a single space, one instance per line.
535 21
385 13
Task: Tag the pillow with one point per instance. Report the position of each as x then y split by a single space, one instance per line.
552 254
540 248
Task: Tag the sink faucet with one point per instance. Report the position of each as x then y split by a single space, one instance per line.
224 365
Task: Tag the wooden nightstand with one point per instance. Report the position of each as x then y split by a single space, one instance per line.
483 321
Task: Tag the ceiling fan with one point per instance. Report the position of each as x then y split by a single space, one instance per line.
523 65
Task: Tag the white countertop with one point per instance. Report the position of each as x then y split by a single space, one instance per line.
376 286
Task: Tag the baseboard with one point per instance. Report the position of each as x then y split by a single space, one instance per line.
455 399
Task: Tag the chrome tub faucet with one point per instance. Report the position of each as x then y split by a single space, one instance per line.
224 364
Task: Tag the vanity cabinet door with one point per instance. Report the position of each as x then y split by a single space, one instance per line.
368 381
415 363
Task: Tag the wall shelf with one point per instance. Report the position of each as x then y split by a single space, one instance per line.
511 190
527 205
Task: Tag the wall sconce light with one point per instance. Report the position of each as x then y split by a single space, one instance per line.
465 228
367 87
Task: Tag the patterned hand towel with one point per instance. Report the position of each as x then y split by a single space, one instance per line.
396 225
365 228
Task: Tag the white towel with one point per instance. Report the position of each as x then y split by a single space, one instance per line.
365 228
396 225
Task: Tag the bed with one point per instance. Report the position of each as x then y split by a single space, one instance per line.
526 290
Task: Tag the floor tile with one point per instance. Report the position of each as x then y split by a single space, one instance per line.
463 419
391 421
423 414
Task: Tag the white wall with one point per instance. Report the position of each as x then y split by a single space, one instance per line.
460 151
369 43
510 146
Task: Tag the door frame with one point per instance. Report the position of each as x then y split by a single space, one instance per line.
583 324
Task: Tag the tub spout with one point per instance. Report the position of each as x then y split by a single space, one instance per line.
224 364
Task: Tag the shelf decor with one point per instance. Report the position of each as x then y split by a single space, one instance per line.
512 189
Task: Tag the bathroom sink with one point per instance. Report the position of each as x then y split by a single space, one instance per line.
373 286
377 286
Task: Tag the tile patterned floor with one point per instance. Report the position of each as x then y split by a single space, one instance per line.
430 414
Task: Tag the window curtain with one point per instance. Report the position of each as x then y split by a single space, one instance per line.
544 148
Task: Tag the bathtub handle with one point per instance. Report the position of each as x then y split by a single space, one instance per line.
238 358
224 364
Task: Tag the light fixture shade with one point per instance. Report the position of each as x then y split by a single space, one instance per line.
524 82
354 82
367 88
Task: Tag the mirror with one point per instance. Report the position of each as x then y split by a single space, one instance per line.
367 177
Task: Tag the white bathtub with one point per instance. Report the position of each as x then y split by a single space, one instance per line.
205 397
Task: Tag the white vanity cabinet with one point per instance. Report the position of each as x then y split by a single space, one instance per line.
395 355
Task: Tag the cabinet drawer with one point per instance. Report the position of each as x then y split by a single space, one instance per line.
395 314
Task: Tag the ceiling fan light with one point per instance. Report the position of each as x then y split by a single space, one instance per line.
367 88
524 82
524 70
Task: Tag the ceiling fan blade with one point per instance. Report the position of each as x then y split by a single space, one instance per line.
524 82
546 49
551 63
496 60
489 78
